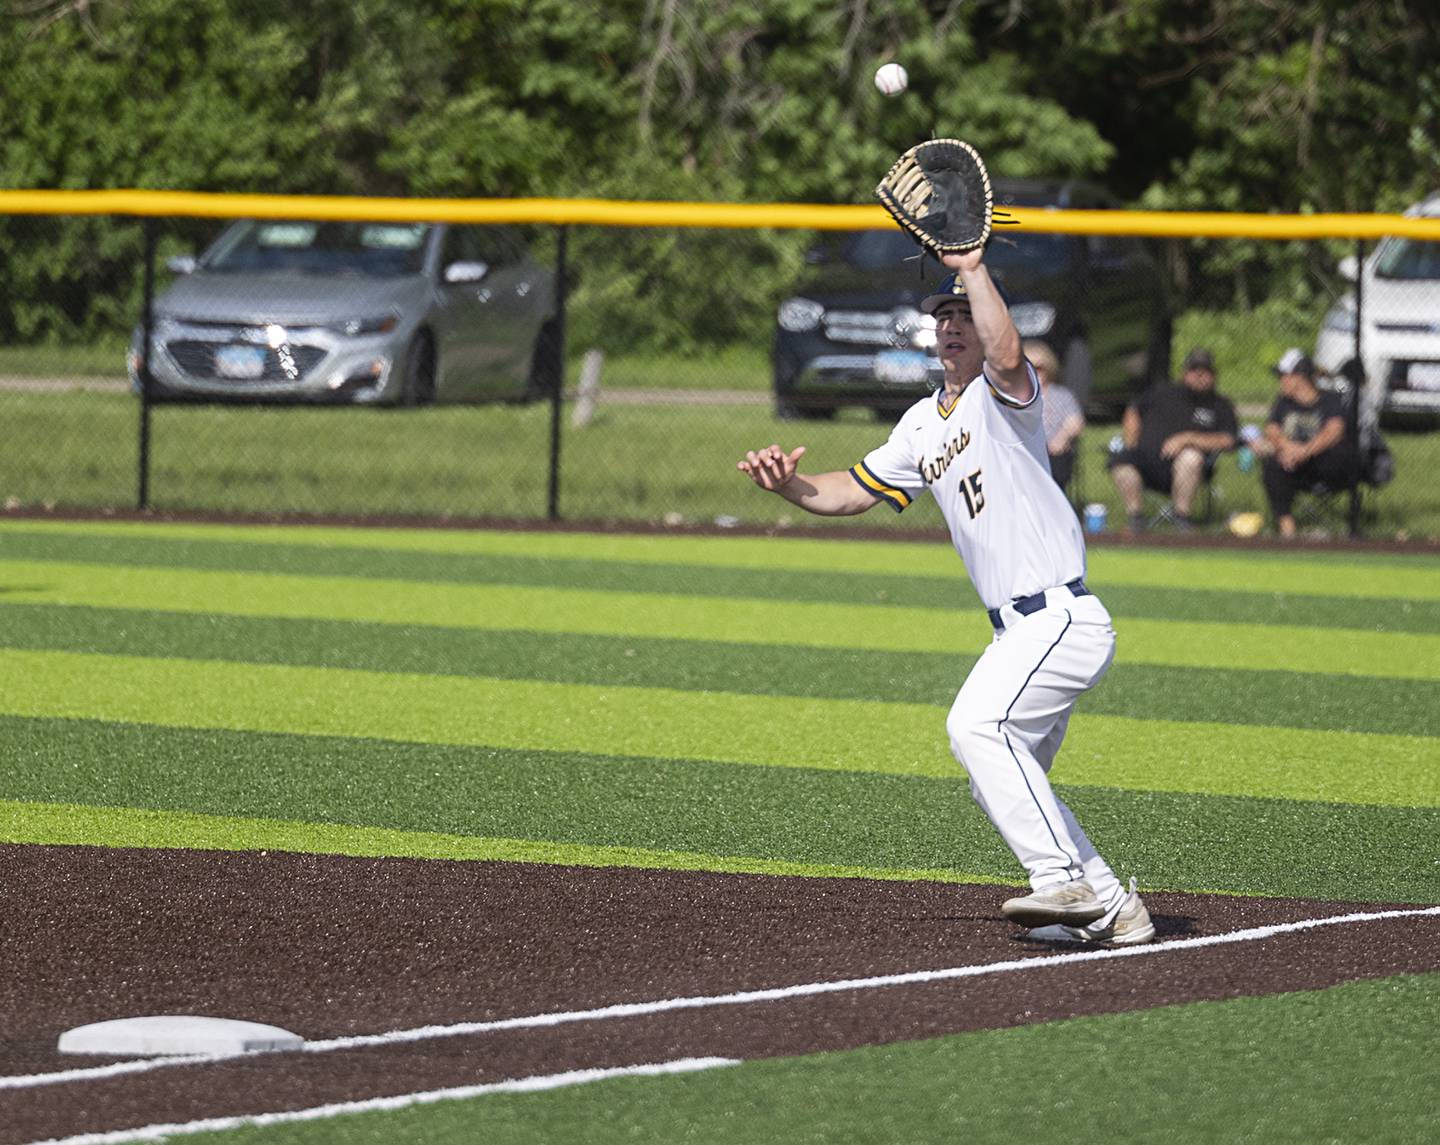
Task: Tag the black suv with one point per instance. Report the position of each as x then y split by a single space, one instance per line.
850 333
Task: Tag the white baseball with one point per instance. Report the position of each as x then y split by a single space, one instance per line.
891 79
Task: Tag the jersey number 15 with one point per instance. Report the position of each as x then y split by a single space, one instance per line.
973 494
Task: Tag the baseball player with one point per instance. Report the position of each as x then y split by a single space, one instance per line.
978 447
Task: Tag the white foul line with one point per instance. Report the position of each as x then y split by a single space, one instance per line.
741 998
400 1101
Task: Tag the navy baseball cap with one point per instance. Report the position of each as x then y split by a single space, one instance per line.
1199 359
949 290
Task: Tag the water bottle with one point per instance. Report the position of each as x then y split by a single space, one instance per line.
1246 458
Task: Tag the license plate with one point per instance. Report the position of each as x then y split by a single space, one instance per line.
902 367
244 362
1424 375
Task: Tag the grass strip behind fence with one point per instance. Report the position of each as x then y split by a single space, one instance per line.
79 449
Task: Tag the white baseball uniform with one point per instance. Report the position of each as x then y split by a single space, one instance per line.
983 459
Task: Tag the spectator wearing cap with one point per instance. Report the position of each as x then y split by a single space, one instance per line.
1306 444
1063 417
1172 434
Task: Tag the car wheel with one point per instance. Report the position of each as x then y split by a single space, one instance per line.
1076 369
546 366
417 383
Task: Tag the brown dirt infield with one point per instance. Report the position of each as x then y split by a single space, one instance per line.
330 946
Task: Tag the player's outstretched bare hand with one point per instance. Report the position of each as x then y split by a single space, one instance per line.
771 467
965 260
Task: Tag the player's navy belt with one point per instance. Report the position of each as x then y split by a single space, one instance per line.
1025 605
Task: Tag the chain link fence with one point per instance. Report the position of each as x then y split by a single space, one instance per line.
591 374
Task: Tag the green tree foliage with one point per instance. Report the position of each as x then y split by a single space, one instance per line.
1221 104
1325 106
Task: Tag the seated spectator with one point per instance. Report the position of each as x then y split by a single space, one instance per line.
1064 419
1172 434
1306 443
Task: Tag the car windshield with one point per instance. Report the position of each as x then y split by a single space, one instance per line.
1409 259
882 250
322 248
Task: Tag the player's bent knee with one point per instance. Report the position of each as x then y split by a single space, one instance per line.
970 738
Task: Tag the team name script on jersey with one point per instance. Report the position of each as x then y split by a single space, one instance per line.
932 471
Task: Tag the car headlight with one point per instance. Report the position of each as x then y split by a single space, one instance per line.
1032 319
924 336
908 327
1340 320
355 327
799 314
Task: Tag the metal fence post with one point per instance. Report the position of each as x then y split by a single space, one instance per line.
142 497
1359 384
557 394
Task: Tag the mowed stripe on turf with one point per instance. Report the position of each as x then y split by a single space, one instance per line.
72 824
1400 576
850 735
1140 691
1195 601
788 815
804 624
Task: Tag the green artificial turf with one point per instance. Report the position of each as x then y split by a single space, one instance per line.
768 731
540 706
554 557
1349 1064
1171 603
1139 691
775 706
70 824
1209 644
1400 576
795 815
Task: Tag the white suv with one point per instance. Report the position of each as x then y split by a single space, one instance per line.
1400 342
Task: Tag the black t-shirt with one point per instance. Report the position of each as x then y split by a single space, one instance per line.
1301 423
1169 408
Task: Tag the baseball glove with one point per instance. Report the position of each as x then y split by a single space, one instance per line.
939 191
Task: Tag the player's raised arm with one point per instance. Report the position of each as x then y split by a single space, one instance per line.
1004 358
833 494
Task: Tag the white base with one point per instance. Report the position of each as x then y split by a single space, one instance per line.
166 1034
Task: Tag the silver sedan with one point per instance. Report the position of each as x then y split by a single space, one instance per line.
383 313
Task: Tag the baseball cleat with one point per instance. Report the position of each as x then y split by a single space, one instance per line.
1073 903
1131 926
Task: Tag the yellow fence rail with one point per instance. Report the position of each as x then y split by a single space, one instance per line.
785 216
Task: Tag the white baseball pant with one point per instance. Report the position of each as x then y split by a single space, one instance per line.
1007 724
